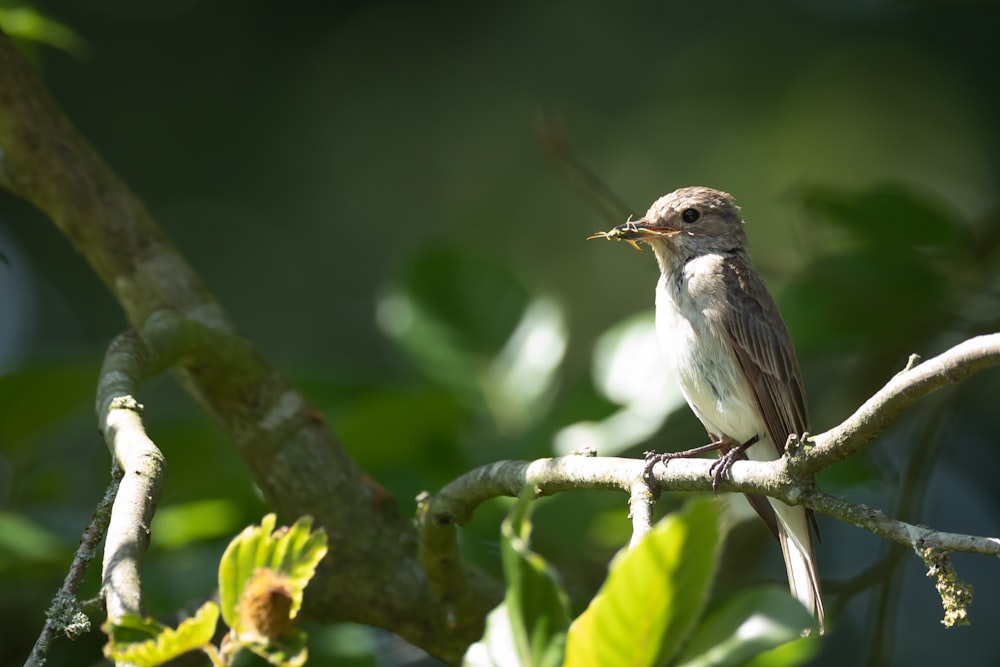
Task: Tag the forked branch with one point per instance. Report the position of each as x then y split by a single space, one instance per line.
789 479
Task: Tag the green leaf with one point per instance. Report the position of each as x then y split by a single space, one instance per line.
653 595
629 371
520 378
23 540
28 24
36 399
288 651
128 640
746 625
130 628
370 427
799 651
471 324
293 552
889 215
529 628
866 296
497 647
475 300
181 524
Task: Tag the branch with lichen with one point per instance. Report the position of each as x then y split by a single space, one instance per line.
293 457
789 479
124 514
66 616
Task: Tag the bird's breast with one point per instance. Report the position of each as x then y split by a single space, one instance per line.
690 325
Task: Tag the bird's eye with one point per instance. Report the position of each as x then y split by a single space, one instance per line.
691 215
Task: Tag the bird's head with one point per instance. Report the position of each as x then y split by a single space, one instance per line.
686 223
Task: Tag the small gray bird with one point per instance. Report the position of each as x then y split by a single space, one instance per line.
730 351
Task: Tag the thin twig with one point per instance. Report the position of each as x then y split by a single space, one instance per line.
65 615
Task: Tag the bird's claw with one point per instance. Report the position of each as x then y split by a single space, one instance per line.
720 467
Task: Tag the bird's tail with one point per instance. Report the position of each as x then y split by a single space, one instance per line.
800 557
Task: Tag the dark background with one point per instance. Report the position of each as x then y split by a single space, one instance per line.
370 191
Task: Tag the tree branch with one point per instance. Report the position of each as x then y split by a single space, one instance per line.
789 479
905 388
141 469
302 468
295 460
65 615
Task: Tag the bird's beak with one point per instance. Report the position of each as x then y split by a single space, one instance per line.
640 229
634 230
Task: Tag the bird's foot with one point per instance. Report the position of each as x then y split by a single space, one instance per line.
720 468
652 458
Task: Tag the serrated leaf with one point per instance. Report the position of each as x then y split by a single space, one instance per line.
653 595
163 643
528 629
293 552
748 624
236 567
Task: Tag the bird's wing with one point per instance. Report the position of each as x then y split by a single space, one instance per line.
764 351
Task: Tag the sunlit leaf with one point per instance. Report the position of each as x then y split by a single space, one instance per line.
291 552
183 523
472 324
497 648
653 595
528 629
127 642
748 624
629 369
454 306
519 379
799 651
28 24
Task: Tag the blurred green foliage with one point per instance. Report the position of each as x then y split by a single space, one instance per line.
31 29
364 188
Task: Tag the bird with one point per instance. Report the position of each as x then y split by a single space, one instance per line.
730 351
